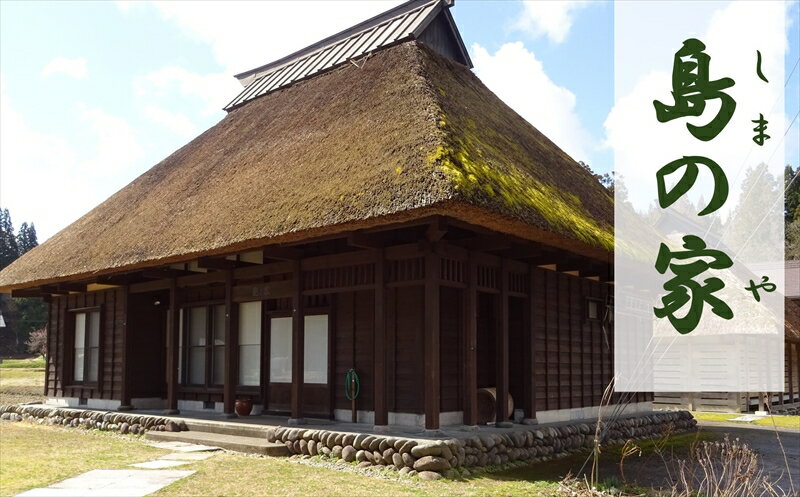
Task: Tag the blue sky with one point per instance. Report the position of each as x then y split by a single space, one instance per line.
95 93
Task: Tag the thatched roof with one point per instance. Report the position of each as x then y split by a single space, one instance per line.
403 134
791 311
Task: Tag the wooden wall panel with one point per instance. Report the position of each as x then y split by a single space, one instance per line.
60 345
146 345
517 328
353 342
573 362
486 340
406 393
451 317
344 346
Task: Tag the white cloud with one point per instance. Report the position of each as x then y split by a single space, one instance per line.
213 91
244 34
174 121
241 36
116 147
74 174
551 18
74 68
516 76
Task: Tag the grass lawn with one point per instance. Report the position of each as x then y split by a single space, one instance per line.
34 456
32 363
28 460
778 421
21 385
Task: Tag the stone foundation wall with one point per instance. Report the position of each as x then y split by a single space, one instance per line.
430 459
134 424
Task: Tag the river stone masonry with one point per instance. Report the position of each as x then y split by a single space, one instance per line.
133 424
430 459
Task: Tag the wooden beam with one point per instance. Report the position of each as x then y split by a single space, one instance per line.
64 288
530 349
125 380
282 253
485 243
501 351
173 332
437 229
298 349
431 345
149 286
231 348
361 239
216 263
524 252
379 395
29 292
117 279
471 345
161 273
261 270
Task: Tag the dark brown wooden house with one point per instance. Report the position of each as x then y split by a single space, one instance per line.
366 203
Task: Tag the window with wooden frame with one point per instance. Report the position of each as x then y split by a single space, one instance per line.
86 347
250 343
203 346
280 349
594 309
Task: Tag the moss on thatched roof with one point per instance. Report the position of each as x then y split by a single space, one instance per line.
404 134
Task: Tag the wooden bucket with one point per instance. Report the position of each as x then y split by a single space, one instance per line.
487 400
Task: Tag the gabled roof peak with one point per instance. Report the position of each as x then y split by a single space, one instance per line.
426 20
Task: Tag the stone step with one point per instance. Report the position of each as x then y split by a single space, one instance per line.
227 428
250 445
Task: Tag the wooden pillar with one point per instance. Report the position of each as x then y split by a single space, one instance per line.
790 368
797 365
501 351
529 372
48 360
173 332
471 345
298 346
431 341
231 348
379 392
122 321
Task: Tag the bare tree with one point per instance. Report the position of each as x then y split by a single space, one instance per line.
37 342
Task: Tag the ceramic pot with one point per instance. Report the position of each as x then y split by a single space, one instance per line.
244 407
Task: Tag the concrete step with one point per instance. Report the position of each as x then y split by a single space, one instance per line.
227 428
231 442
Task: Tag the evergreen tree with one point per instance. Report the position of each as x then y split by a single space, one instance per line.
792 199
748 228
26 238
9 250
22 315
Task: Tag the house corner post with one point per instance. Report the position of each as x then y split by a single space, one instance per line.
381 412
231 346
122 322
501 351
431 340
530 350
173 332
298 345
471 344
